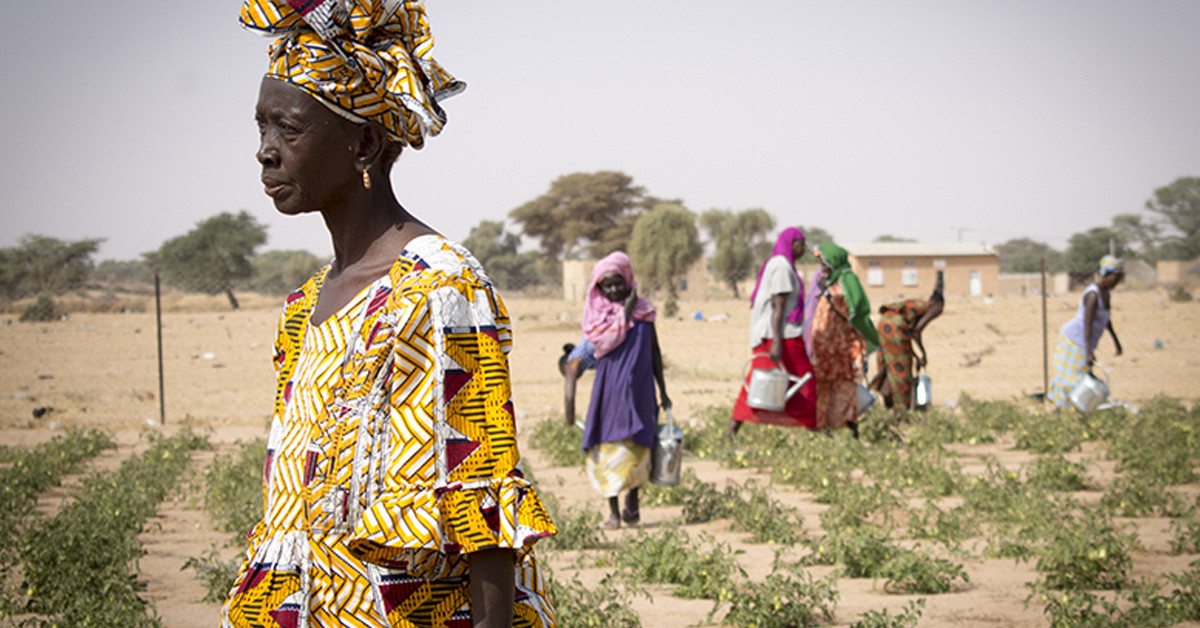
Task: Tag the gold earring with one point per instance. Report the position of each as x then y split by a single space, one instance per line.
366 179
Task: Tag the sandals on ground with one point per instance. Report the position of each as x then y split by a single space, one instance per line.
612 523
631 518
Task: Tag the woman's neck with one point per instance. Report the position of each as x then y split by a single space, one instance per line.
374 235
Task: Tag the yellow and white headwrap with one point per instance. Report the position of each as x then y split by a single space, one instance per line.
365 59
1110 264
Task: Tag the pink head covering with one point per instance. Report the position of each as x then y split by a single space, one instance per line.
783 246
604 321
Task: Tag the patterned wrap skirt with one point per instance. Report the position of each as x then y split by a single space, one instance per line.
1070 364
616 467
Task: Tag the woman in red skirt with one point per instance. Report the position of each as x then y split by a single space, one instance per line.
776 340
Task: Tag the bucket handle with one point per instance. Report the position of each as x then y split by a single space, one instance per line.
1102 370
746 368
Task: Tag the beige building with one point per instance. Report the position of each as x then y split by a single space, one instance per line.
905 270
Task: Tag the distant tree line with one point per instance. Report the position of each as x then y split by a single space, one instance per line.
1171 231
581 215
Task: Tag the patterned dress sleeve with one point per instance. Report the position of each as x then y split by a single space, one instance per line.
450 478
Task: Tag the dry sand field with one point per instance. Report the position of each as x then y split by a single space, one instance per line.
100 370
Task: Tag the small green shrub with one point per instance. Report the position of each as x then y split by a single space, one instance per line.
906 618
862 550
1056 473
43 310
216 574
912 571
1180 294
601 606
1185 534
785 600
233 489
1085 553
1136 495
948 527
578 529
669 556
559 442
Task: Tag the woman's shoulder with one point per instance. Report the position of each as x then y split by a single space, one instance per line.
433 256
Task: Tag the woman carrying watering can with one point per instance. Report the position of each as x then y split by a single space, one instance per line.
619 432
776 340
1077 342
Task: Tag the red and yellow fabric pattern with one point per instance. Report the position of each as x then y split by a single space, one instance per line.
392 455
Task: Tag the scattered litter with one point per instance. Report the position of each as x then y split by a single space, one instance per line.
564 317
719 317
55 425
698 316
151 423
950 403
21 394
1158 343
45 376
208 356
42 411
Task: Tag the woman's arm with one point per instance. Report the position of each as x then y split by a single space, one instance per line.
935 310
1089 314
778 302
1112 332
492 583
570 375
656 362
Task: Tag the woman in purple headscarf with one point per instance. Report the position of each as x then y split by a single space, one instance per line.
776 328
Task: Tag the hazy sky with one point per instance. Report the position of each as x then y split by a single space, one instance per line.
132 120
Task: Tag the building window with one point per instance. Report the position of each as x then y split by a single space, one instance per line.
874 276
908 276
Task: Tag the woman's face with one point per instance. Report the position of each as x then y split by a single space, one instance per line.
1111 280
613 287
798 248
306 150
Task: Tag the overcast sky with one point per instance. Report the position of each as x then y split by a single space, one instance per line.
131 120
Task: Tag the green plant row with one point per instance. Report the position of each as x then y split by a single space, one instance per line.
29 473
79 566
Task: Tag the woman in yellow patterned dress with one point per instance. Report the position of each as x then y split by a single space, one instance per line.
393 494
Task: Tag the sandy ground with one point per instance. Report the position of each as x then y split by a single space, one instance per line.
100 370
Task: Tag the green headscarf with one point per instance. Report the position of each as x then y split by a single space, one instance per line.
837 261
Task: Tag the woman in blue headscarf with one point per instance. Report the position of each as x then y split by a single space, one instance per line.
1078 338
776 335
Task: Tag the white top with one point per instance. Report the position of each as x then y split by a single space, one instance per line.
778 278
1073 329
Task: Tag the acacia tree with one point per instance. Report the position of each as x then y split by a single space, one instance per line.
213 256
41 264
583 212
497 250
664 245
1023 255
1179 205
740 242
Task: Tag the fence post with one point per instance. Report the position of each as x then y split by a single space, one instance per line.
1045 345
162 404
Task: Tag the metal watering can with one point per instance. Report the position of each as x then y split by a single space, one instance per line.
1090 392
922 391
865 400
768 389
